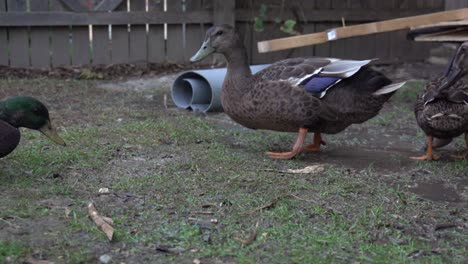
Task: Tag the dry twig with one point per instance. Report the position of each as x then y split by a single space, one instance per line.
104 223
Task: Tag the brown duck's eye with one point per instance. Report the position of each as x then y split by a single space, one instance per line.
219 33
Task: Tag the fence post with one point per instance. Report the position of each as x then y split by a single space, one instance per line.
224 12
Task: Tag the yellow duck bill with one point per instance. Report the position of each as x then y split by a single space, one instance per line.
51 133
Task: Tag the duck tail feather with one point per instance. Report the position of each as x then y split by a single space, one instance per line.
389 88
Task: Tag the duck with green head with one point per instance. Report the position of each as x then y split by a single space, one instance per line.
23 111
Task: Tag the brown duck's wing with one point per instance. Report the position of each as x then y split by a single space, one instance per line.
9 138
291 69
292 103
431 91
457 93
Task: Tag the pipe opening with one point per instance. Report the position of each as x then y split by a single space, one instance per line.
192 92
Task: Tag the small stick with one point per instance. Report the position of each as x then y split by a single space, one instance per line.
104 223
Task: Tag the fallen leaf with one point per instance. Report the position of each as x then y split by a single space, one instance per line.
104 223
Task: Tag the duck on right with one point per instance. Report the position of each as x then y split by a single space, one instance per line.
442 109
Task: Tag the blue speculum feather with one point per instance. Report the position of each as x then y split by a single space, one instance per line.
318 84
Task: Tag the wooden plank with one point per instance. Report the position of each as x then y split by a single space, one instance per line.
103 18
322 50
224 12
81 46
138 40
451 35
246 31
39 38
175 35
156 41
195 33
108 5
360 30
74 5
332 15
60 40
101 45
120 41
454 4
18 37
4 56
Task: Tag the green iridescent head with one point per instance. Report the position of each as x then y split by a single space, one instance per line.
23 111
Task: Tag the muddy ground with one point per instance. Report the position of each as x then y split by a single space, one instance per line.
187 187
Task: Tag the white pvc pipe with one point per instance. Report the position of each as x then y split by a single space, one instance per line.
201 89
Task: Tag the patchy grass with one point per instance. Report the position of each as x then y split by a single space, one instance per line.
186 186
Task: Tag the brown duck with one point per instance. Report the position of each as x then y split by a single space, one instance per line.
23 111
321 95
442 109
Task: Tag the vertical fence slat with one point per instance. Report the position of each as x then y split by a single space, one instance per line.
60 40
40 38
156 41
193 32
19 38
3 38
120 45
138 41
81 43
101 45
337 47
175 37
322 50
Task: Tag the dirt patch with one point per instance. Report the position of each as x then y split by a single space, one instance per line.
187 187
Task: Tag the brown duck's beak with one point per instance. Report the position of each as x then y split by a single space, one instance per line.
204 51
50 132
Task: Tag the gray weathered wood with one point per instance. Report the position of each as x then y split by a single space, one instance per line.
138 40
194 33
75 5
81 46
101 45
454 4
156 41
3 38
120 39
224 12
246 30
108 5
60 40
335 15
39 38
102 18
18 37
175 35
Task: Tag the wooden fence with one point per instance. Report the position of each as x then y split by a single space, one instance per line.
50 33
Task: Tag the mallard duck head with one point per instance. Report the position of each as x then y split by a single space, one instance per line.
23 111
218 39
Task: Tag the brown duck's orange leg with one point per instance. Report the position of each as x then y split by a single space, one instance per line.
464 155
297 148
429 155
317 142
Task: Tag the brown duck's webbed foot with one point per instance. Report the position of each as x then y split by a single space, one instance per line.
429 154
317 142
297 148
463 155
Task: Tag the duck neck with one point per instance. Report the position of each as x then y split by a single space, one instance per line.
238 74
